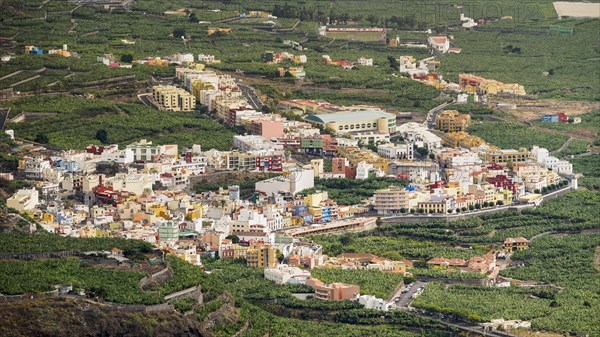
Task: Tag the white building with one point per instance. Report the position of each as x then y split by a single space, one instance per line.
419 135
362 170
439 43
365 62
133 183
145 151
24 200
371 137
542 157
253 143
114 155
396 151
34 168
294 182
372 302
283 274
558 165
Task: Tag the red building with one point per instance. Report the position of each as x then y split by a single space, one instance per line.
106 195
272 163
503 181
562 118
95 149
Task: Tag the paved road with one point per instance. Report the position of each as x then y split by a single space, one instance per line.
402 300
564 146
252 96
147 101
3 117
432 114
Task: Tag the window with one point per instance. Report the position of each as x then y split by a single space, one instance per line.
363 126
341 127
368 125
352 127
345 127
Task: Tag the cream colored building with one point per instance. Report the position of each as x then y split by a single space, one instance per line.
391 200
171 98
507 156
23 200
360 120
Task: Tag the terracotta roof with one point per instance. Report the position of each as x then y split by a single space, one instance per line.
438 39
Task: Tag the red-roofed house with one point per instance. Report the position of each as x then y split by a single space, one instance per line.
439 43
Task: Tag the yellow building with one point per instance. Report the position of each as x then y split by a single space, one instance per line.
452 121
196 213
355 155
261 257
507 156
433 206
171 98
213 30
258 14
198 86
515 244
461 139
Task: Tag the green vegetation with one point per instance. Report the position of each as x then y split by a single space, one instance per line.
184 304
124 123
371 282
576 147
18 277
547 65
451 274
185 275
565 261
590 125
393 247
520 136
257 298
590 167
20 243
338 188
482 303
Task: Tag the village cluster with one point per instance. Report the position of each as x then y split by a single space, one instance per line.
145 191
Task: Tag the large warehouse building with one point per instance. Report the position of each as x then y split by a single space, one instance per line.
352 121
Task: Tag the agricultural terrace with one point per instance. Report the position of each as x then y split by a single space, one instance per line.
571 310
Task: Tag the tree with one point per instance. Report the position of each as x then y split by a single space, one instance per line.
41 138
346 239
179 32
233 238
477 206
499 203
402 210
422 151
431 155
486 204
379 223
127 58
102 136
393 63
193 18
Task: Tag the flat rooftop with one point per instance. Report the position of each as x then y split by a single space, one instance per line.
577 9
349 116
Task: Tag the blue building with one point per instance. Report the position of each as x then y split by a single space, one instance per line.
549 118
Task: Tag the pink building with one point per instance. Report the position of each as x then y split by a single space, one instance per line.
267 129
333 291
